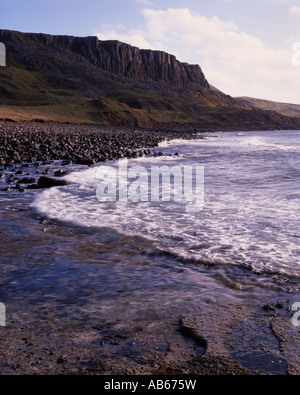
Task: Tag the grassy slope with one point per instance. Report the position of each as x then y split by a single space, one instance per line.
290 110
28 95
50 84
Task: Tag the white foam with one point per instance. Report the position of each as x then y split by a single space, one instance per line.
245 221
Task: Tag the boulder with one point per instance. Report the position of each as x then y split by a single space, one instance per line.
85 161
47 182
61 173
27 180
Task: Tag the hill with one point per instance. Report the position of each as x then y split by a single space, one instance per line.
85 80
287 109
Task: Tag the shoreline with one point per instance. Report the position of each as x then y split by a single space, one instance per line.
27 144
30 345
21 142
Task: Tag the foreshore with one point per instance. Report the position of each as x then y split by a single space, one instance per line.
26 144
31 142
35 341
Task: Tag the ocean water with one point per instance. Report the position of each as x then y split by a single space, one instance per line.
68 260
250 216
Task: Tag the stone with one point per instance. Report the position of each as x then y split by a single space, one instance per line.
61 173
47 182
27 180
85 161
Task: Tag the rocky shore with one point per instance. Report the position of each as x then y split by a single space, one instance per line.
48 294
24 146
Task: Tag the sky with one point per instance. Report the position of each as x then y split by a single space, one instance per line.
244 47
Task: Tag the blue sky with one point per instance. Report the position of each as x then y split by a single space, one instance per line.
243 46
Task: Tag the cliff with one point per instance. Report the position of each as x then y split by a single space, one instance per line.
118 58
86 80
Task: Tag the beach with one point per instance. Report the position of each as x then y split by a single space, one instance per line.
147 289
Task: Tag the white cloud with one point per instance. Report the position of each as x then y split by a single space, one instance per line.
232 60
294 10
134 37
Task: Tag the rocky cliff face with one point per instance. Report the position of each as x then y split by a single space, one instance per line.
121 59
85 80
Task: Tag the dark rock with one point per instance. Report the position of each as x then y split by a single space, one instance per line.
27 180
33 186
61 173
61 360
87 144
47 182
85 161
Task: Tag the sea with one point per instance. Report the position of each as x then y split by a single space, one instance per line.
69 257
